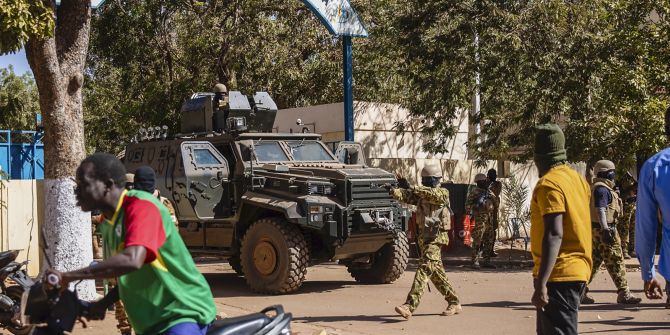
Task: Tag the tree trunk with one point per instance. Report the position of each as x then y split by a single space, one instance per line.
58 64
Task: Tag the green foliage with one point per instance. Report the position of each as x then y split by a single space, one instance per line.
515 196
598 67
18 100
21 20
146 57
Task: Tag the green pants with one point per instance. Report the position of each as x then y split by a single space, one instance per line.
611 255
479 242
433 270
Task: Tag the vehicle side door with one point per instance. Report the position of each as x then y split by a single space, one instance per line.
206 170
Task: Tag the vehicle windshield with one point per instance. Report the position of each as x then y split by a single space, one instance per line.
309 151
269 152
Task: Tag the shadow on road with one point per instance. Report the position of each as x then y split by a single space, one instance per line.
503 304
632 326
620 307
228 285
364 318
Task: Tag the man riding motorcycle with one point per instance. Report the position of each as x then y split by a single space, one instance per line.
163 291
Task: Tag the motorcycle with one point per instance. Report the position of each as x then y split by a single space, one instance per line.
10 295
55 311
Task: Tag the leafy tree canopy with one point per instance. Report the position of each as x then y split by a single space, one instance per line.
18 100
599 68
21 20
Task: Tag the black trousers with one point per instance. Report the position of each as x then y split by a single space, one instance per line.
559 317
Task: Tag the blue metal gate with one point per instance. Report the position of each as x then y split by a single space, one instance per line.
21 154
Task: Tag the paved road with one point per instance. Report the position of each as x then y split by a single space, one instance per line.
494 302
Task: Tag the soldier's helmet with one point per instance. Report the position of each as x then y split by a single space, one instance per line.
431 170
480 177
220 88
603 166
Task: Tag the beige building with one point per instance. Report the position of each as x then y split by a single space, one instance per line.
402 153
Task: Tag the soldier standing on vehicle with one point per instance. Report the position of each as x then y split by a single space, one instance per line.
492 234
626 226
606 208
433 217
480 204
145 180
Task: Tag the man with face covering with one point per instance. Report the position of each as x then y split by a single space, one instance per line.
481 204
606 207
433 217
560 235
145 180
492 234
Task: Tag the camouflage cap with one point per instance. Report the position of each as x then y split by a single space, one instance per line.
480 177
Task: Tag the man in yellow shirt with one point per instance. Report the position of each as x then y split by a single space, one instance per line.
560 235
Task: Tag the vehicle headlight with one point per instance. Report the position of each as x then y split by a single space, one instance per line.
327 190
313 189
317 217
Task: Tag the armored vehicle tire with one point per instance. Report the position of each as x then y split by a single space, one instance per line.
388 263
236 263
274 256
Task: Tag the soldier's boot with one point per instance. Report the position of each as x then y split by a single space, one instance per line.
632 253
625 297
625 254
404 311
475 261
586 298
452 309
475 264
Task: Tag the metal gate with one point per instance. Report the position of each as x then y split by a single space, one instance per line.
21 154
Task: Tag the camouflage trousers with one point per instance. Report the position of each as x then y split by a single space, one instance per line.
122 322
479 242
433 270
611 255
626 228
490 236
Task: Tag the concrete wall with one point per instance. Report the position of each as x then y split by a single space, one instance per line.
374 128
21 216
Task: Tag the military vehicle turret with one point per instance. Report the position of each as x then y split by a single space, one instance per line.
273 203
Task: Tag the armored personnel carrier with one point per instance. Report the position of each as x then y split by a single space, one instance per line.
273 203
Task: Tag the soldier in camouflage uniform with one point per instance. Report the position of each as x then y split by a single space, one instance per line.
480 204
606 208
433 221
492 234
626 226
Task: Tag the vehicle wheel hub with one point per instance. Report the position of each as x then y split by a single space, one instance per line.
265 258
